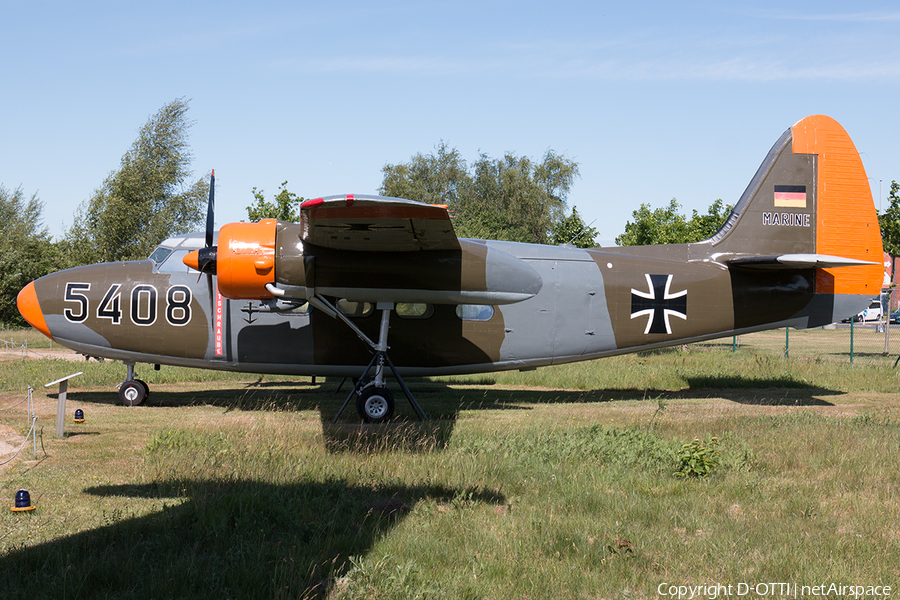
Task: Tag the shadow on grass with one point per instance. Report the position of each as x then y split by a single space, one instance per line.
223 539
444 401
775 391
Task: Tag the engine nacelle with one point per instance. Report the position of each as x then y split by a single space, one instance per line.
246 259
243 260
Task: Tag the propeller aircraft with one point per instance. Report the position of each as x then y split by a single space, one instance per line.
371 287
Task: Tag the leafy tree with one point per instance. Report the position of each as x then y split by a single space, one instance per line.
438 178
668 226
285 206
573 230
890 222
511 198
660 226
702 227
524 198
146 199
26 250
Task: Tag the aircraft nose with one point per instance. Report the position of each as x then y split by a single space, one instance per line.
30 308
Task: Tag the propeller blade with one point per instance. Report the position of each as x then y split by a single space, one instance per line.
204 259
211 210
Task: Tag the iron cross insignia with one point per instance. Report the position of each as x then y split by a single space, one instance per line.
658 304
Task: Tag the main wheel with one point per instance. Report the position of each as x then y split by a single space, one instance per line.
375 404
133 393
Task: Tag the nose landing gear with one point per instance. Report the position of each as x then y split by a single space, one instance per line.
133 392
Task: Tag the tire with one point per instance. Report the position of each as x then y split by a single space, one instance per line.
146 387
133 393
375 405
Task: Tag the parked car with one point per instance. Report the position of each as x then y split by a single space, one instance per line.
895 317
873 313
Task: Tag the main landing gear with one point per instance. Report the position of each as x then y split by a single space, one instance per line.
374 402
133 392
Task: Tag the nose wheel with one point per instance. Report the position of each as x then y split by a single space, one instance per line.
133 392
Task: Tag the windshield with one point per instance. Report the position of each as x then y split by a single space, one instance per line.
160 255
168 256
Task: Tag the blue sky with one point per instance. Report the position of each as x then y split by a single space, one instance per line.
654 100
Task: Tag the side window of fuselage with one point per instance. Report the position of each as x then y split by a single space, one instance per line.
474 312
355 309
409 310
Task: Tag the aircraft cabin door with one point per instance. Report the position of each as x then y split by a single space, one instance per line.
579 309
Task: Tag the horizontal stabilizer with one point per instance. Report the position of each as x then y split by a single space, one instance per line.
797 261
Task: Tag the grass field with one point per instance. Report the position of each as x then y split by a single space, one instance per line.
578 481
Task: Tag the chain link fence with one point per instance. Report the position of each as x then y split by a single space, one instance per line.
869 339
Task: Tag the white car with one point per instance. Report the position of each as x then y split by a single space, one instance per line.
873 313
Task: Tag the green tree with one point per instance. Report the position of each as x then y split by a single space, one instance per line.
284 207
573 230
26 250
437 178
147 199
702 227
524 198
668 226
890 222
510 198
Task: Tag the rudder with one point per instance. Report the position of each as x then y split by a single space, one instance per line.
846 221
809 202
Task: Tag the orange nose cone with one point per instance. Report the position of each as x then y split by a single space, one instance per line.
27 301
192 259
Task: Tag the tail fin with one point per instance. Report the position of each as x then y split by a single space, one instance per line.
809 206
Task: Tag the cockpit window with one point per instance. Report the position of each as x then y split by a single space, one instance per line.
160 255
174 263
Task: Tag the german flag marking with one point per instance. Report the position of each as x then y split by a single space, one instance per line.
790 196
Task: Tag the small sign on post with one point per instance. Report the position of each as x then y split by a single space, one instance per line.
61 405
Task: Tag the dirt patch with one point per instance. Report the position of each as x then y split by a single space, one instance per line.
10 441
42 353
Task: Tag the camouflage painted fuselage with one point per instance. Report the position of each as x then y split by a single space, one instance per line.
802 249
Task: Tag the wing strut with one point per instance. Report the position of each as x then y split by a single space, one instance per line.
374 401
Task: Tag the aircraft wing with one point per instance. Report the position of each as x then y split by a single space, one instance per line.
376 223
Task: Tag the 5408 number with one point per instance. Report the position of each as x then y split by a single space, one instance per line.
143 307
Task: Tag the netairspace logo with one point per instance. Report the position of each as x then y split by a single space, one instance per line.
771 590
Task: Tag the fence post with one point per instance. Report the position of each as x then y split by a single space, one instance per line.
787 342
852 319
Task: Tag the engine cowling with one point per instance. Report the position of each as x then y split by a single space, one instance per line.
244 259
